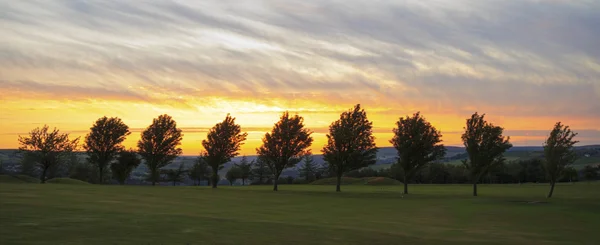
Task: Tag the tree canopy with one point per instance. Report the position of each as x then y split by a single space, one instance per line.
350 143
127 160
285 145
159 145
559 154
104 142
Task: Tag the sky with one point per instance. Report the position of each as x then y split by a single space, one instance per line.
526 64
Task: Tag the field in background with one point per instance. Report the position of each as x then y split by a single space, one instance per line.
298 214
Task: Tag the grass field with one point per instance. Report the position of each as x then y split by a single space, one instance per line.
298 214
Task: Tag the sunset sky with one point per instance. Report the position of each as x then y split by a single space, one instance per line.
526 64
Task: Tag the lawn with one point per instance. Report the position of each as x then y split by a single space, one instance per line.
298 214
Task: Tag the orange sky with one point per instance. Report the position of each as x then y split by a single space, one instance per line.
66 65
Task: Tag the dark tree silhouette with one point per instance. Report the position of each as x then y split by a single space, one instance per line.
350 143
48 148
233 174
309 168
126 162
175 175
199 171
222 143
590 173
284 146
245 169
104 142
158 145
260 171
558 150
418 144
485 145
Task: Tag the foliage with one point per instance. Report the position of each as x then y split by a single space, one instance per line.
309 168
222 143
48 148
104 142
284 146
485 144
590 173
260 172
559 153
233 174
81 170
418 144
126 162
175 175
245 169
350 143
199 171
158 145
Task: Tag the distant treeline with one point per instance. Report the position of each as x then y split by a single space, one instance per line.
350 149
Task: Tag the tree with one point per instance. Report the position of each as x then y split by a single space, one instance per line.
48 148
590 173
222 143
559 153
260 171
104 142
284 146
309 168
175 175
158 145
418 144
485 145
233 174
350 143
569 174
245 169
126 162
199 171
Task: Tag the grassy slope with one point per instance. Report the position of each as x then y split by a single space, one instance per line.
298 214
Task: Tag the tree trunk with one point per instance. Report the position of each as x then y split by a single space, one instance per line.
552 183
475 189
43 177
405 184
153 182
339 183
100 181
214 178
275 182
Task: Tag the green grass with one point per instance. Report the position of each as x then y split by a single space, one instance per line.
298 214
358 181
67 181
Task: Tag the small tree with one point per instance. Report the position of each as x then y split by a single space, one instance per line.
158 145
590 173
233 174
176 175
284 146
558 150
350 143
485 145
126 162
104 142
48 148
245 169
221 144
309 168
570 174
260 171
199 171
418 144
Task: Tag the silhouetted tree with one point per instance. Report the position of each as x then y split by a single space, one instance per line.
233 174
126 162
418 144
158 145
104 142
199 171
260 171
308 168
48 148
245 169
558 150
590 173
222 143
350 143
569 174
485 144
175 175
284 146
